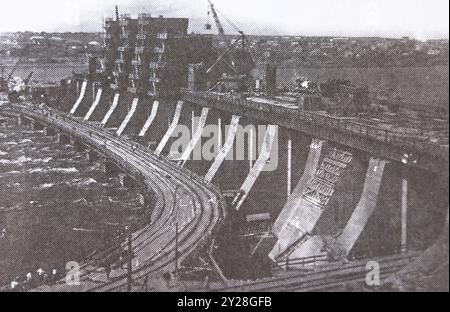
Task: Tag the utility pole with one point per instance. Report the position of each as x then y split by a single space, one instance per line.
176 228
3 82
176 249
130 259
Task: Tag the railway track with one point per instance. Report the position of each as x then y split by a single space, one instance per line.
325 278
154 245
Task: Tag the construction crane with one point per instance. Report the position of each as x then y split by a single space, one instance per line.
217 21
4 81
19 61
244 61
26 81
223 38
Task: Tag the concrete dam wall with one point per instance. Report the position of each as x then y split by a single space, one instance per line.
310 191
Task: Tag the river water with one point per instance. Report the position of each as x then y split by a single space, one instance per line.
55 205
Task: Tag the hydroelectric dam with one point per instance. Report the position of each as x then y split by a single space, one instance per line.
245 184
307 189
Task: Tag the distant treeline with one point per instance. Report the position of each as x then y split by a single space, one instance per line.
24 37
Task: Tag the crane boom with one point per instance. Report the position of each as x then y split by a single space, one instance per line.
227 52
18 62
217 21
117 13
27 80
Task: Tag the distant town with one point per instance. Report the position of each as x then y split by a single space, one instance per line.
49 47
282 51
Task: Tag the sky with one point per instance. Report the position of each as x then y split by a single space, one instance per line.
420 19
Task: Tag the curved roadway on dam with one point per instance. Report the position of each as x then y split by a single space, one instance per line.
182 197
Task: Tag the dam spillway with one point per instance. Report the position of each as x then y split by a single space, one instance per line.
294 160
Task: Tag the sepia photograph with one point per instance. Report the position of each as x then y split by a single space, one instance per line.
216 146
